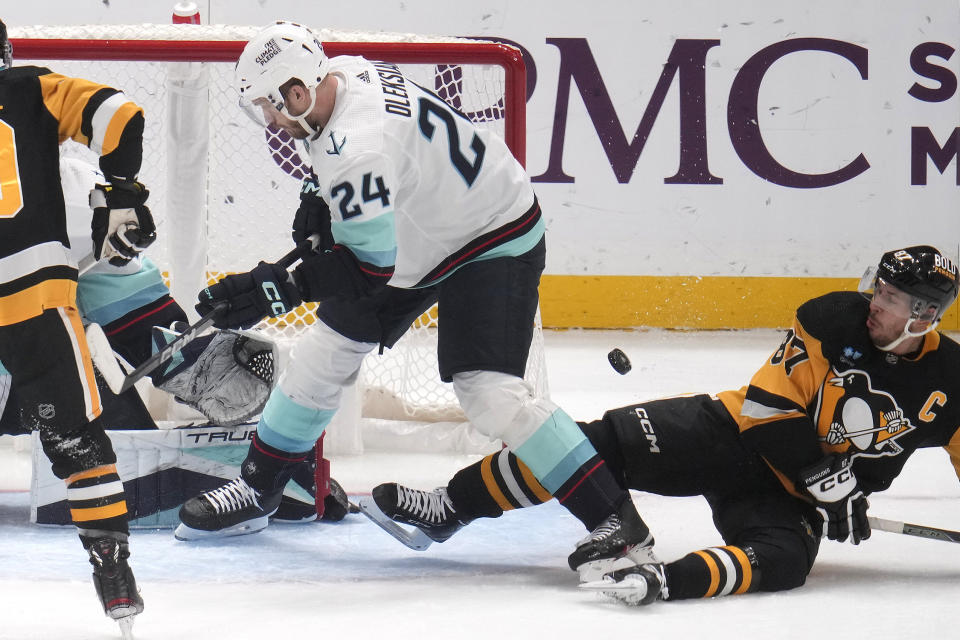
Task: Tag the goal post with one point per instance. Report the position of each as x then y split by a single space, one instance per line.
224 191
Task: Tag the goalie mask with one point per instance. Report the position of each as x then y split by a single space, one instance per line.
6 49
917 283
281 52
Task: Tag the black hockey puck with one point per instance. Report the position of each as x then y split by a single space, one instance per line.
619 361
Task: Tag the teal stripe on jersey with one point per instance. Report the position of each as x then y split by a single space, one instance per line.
104 297
373 241
517 246
555 450
289 426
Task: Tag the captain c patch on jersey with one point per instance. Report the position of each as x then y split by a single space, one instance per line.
854 417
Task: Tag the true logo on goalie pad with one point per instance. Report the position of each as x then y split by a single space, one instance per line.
160 469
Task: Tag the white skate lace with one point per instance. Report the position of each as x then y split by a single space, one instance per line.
428 506
233 496
603 530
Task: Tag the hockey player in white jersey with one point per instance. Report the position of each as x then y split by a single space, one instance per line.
423 207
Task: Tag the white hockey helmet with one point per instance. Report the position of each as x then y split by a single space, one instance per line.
280 52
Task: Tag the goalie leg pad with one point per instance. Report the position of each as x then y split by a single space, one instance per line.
227 377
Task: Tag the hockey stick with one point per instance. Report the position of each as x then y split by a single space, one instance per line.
86 263
194 330
919 530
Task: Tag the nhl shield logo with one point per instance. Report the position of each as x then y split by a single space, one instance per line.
46 411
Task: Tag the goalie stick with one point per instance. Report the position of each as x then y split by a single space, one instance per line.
919 530
102 354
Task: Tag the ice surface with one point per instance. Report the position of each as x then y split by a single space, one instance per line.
496 578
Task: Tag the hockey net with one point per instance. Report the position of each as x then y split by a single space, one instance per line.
223 191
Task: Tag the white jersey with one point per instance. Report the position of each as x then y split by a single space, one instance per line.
415 190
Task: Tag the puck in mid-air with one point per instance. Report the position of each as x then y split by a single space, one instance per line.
619 361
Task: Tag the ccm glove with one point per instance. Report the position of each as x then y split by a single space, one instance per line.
840 502
122 225
244 299
313 216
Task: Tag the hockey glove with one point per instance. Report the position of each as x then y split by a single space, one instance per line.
244 299
839 500
313 216
122 225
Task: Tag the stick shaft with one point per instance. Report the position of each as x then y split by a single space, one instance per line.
918 530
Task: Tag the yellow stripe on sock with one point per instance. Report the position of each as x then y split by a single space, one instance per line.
99 513
532 483
711 563
95 472
745 566
486 471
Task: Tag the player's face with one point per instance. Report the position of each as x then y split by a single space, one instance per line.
890 311
273 118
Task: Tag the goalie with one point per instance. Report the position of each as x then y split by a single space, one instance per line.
225 376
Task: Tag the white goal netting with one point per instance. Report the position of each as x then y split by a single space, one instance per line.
224 192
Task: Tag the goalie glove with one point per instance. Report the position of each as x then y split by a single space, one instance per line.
244 299
839 500
122 226
313 216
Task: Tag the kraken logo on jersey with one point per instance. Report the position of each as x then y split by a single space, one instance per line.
854 417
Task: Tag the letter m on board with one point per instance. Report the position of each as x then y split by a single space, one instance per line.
687 60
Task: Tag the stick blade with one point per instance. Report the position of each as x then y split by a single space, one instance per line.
102 355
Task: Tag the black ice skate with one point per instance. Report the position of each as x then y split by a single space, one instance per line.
430 512
113 579
619 542
634 586
234 509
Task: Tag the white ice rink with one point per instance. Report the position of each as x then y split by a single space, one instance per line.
503 578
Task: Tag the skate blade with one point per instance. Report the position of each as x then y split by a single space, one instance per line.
126 627
593 572
413 537
629 591
188 534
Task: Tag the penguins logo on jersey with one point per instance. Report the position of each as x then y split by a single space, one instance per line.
854 417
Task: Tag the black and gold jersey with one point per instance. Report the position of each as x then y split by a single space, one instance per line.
38 111
828 389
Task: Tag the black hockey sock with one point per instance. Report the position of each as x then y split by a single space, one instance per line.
497 483
710 572
591 493
267 468
98 505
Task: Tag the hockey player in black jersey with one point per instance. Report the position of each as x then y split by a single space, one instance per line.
42 342
859 383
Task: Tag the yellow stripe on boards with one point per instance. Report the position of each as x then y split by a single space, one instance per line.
685 302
